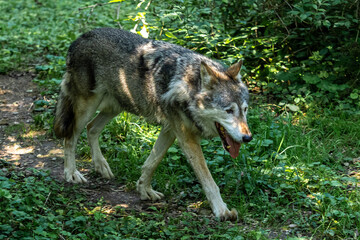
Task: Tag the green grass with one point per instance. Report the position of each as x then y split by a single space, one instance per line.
294 179
294 173
33 206
289 179
32 32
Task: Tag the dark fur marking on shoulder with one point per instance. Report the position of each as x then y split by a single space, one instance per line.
167 72
156 61
143 69
185 108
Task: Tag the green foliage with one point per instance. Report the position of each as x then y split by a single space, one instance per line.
294 178
34 206
301 52
294 172
289 175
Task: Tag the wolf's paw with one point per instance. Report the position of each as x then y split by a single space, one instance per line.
147 193
103 168
74 176
228 215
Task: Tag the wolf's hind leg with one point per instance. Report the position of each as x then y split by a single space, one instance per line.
71 173
85 110
165 140
94 129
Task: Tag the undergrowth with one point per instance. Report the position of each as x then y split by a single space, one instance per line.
34 206
295 176
299 177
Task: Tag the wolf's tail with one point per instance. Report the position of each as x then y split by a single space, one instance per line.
65 115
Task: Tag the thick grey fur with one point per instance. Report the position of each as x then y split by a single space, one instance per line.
94 61
192 96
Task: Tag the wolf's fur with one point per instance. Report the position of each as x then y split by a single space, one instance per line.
190 95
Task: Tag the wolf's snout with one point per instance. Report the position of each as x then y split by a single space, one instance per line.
245 131
247 138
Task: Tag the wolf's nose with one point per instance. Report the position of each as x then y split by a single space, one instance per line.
247 138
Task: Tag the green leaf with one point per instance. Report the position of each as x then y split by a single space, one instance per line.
5 194
293 107
311 79
326 23
204 142
6 228
335 183
173 150
176 157
303 16
354 96
170 35
267 142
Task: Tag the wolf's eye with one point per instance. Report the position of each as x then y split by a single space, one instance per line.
245 110
230 111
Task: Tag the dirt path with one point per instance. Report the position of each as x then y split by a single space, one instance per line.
18 143
25 147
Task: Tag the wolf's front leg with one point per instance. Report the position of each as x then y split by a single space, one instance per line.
190 144
162 144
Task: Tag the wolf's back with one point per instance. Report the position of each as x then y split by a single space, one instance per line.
91 66
126 72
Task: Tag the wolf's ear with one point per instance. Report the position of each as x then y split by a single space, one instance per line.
208 76
234 71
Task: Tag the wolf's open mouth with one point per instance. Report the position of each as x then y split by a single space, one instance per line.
229 144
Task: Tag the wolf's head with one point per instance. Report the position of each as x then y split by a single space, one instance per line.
221 106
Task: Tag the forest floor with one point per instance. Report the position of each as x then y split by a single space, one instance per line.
27 147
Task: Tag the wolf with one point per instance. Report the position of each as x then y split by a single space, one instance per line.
189 95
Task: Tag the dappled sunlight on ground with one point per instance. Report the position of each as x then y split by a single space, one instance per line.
40 165
33 134
13 152
55 152
196 204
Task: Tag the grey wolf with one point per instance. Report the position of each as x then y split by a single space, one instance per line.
191 96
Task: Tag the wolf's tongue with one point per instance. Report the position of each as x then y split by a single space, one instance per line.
234 146
228 142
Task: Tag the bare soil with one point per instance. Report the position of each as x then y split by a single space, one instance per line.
25 147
